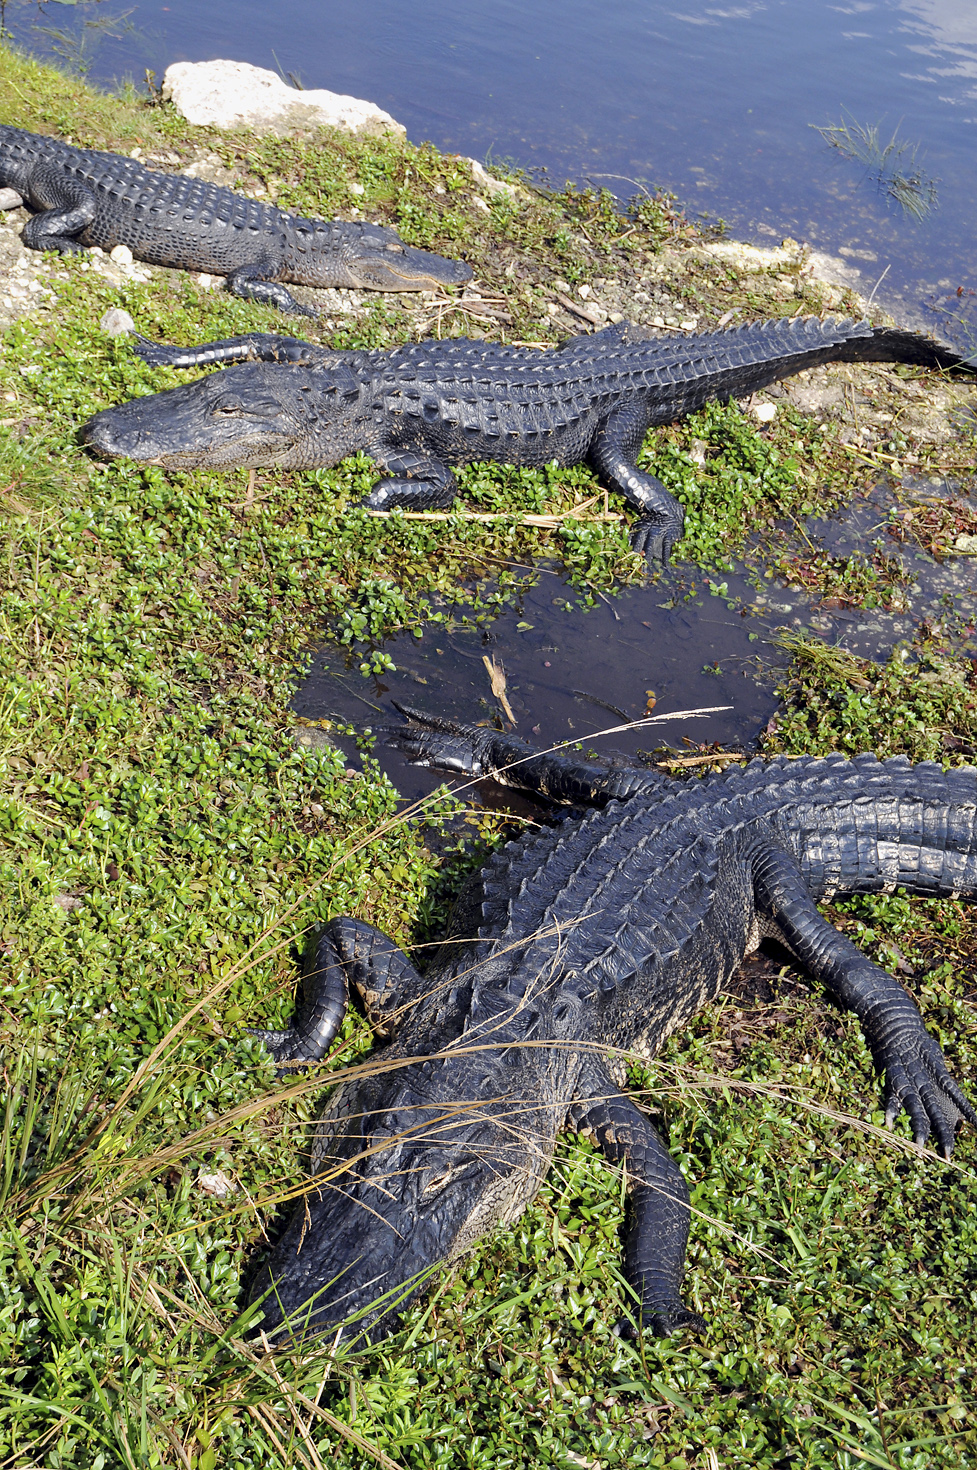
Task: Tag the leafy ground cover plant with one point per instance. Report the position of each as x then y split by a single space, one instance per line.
166 841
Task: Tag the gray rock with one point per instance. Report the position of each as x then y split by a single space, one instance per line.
312 737
10 199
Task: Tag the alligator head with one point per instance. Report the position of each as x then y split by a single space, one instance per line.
246 416
424 1158
375 259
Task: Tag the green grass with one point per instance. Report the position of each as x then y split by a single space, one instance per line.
165 844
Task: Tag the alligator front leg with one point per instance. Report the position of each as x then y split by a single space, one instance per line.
345 953
66 208
417 482
471 750
916 1074
613 454
252 347
657 1228
251 283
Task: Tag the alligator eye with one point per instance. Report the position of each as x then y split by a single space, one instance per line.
436 1182
258 408
394 247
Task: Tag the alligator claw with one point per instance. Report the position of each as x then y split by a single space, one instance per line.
916 1078
653 538
662 1319
436 492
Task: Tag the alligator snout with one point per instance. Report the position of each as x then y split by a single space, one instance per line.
112 437
398 267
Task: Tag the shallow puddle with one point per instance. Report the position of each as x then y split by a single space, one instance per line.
687 641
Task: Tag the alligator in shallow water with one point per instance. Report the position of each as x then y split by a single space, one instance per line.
420 408
591 940
81 197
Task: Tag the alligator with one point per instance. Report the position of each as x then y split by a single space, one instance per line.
83 197
419 408
574 949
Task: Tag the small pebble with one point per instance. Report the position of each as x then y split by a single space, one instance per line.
217 1184
116 322
121 254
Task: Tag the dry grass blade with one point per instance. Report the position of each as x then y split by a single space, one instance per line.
497 679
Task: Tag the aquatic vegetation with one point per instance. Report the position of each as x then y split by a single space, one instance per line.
894 165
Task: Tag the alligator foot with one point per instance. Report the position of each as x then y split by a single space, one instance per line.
346 952
417 482
652 538
250 283
657 1227
325 995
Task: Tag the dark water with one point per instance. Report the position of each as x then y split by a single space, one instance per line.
571 674
685 642
718 103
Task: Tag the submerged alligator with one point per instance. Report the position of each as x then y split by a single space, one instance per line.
606 932
418 409
82 197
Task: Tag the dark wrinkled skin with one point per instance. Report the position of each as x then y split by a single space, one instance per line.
573 946
423 407
82 198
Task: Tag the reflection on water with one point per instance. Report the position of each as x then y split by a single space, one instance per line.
719 103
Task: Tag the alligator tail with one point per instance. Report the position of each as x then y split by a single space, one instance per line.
891 344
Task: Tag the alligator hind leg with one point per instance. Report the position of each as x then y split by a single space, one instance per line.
251 283
66 208
657 1229
613 454
916 1075
346 952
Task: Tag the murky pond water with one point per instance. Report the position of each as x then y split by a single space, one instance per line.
687 641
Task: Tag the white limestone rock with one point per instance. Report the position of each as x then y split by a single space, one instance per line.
748 258
10 199
232 94
487 182
116 322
